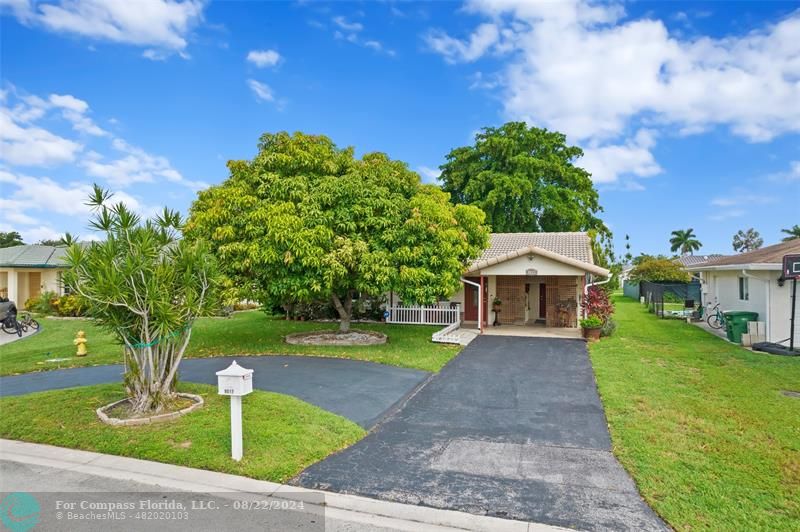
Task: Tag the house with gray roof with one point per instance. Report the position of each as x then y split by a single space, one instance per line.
27 271
538 279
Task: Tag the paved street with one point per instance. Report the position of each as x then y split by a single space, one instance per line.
360 391
513 427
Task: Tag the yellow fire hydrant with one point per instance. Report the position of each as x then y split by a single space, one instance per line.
81 341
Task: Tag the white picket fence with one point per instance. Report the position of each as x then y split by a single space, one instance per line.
423 315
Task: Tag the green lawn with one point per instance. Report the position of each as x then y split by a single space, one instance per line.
282 434
244 333
701 424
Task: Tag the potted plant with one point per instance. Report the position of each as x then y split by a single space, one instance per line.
497 304
592 327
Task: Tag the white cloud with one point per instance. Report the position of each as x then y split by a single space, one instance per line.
457 51
735 204
163 25
580 68
69 102
136 166
429 175
30 197
264 58
264 93
608 163
29 145
347 26
790 175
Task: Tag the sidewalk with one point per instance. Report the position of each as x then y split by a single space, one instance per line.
353 511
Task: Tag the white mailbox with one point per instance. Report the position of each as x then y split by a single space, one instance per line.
235 380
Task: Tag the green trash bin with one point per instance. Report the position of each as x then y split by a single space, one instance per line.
736 324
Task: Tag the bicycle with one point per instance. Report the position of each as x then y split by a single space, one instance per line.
27 322
716 320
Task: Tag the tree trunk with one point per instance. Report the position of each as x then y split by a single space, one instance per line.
151 373
345 310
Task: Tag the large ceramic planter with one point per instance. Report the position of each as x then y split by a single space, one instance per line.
592 334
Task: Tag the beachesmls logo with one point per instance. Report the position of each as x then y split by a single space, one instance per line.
19 512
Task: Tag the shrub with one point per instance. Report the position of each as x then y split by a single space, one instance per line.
45 303
598 304
609 327
69 305
592 322
659 270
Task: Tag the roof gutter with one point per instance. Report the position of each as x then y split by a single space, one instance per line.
755 266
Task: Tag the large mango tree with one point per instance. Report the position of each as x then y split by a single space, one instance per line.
307 221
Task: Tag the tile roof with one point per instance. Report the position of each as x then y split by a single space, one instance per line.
694 260
769 255
32 256
571 245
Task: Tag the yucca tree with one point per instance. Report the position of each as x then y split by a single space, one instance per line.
749 240
146 285
793 232
685 241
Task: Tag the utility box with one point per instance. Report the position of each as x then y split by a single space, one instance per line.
235 380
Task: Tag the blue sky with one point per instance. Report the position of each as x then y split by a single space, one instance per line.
689 113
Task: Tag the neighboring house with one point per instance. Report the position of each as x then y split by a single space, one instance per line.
688 261
751 281
539 278
27 271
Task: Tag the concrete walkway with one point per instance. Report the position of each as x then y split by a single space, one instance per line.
360 391
512 427
53 473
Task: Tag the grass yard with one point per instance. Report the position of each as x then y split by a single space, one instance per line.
282 434
701 424
244 333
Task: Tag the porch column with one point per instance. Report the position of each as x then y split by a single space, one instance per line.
13 287
480 305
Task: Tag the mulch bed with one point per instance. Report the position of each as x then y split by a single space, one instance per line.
354 337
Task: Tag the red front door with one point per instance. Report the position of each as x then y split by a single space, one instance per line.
471 300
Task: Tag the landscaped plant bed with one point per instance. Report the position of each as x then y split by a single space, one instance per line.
119 413
353 337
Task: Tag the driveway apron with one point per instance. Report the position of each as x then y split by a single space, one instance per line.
512 427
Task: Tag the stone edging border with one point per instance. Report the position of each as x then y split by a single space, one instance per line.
380 338
117 422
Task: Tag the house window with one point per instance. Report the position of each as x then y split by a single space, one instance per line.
744 289
64 289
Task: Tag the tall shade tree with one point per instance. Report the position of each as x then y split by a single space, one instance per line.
524 179
146 285
793 232
307 221
10 238
685 241
747 240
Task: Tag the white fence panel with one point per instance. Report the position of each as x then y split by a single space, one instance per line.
423 315
448 335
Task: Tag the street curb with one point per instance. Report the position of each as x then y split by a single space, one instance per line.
352 507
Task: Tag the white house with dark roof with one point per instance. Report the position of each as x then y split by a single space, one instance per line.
27 271
752 281
539 279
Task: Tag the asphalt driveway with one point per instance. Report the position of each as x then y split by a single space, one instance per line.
360 391
512 427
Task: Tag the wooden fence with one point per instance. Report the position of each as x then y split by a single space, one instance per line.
423 315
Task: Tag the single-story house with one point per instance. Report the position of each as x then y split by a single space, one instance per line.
539 278
27 271
752 281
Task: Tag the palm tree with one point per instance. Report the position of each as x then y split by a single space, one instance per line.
747 240
686 241
793 232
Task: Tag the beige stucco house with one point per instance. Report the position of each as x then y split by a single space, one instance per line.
27 271
752 281
539 278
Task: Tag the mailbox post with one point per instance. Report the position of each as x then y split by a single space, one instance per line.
236 382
